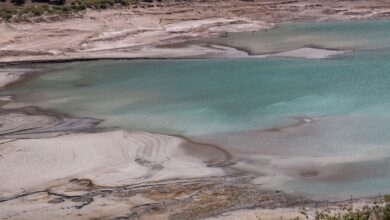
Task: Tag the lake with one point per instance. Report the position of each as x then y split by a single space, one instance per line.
318 127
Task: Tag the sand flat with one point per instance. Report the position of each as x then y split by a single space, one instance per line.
110 158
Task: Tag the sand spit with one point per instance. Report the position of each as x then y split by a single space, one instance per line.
305 52
8 75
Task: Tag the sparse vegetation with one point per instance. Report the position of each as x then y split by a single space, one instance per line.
18 10
378 210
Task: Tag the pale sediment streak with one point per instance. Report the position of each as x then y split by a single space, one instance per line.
32 123
305 52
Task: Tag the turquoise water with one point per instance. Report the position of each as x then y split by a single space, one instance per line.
344 152
194 97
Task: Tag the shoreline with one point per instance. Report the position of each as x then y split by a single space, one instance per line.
82 175
307 52
173 179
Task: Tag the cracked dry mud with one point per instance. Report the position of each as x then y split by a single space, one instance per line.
174 199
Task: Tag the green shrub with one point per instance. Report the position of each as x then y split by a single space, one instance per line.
66 9
5 16
7 13
37 11
82 7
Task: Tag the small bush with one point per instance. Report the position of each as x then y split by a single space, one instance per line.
7 13
82 7
37 11
5 16
65 9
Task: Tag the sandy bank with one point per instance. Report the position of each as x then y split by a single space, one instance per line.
135 32
111 158
111 34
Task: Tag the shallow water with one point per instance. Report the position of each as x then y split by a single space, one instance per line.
359 35
343 150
